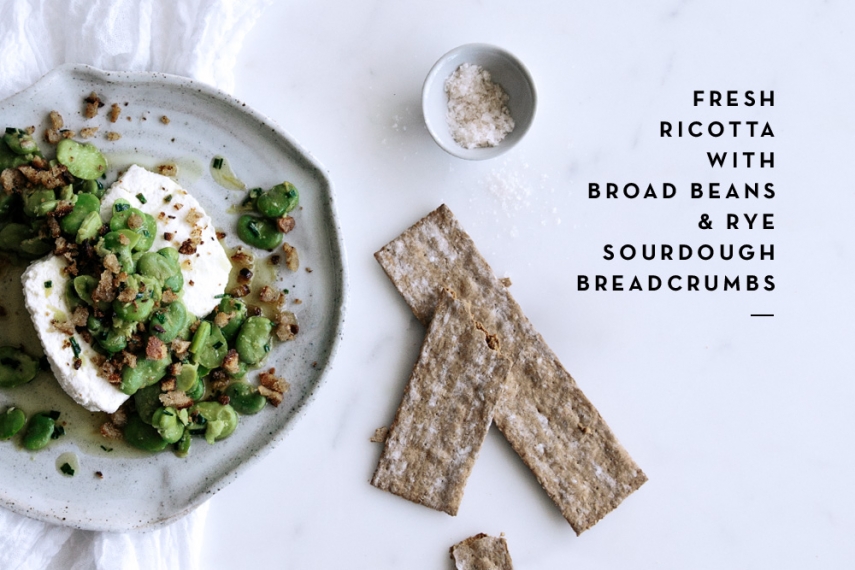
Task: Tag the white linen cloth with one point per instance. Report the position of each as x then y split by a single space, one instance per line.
195 38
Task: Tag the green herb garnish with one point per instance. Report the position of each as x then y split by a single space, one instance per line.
141 198
67 469
48 284
217 163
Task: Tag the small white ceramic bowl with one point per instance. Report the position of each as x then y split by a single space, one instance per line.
506 70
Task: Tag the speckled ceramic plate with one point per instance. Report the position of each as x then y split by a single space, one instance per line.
113 488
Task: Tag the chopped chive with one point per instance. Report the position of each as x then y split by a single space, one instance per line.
11 130
107 449
53 414
286 291
217 163
74 346
121 207
58 432
168 413
253 228
48 284
141 198
218 345
220 296
146 233
168 198
161 318
266 348
67 469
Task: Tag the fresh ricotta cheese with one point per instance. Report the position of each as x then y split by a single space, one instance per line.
205 271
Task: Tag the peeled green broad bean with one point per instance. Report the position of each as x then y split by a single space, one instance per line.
163 267
11 422
197 392
16 367
82 160
83 286
145 227
200 337
20 142
182 446
85 205
39 431
167 423
113 340
244 398
34 247
147 401
39 201
89 227
143 436
259 232
11 159
167 321
253 340
148 293
213 350
278 201
146 373
7 202
220 421
12 235
187 378
238 308
93 187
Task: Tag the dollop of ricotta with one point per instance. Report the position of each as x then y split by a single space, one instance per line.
205 270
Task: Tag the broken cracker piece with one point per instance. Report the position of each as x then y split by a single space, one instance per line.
445 412
481 552
587 473
380 435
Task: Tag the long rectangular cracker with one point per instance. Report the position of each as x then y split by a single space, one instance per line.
445 412
482 552
544 415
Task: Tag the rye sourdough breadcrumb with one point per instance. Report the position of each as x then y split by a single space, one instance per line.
445 413
477 114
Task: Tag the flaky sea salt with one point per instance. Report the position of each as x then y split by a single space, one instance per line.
478 114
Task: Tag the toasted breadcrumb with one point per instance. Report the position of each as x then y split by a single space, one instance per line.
88 132
155 349
113 136
167 384
231 363
175 399
67 134
286 326
292 260
165 120
52 136
285 224
110 431
115 112
93 103
56 121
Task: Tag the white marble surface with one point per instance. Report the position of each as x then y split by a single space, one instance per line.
744 425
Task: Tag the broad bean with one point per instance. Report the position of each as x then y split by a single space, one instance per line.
219 420
82 160
258 232
143 436
167 423
146 373
168 321
244 398
11 422
278 201
39 431
16 367
253 340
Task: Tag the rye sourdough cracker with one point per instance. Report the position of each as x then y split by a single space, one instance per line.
482 552
445 412
544 415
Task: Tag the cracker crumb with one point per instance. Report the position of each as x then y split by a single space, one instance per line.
165 120
88 132
292 259
379 435
115 112
93 103
113 136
